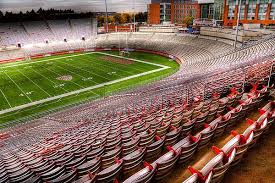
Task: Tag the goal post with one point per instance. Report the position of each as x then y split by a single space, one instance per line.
28 58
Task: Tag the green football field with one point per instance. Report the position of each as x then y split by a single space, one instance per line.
32 88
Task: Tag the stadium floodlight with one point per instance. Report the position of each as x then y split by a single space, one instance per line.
238 22
106 14
134 12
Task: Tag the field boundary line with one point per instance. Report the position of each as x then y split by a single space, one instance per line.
18 87
5 98
122 70
32 103
45 60
48 79
88 53
60 75
79 75
34 82
132 59
64 62
45 104
107 66
79 91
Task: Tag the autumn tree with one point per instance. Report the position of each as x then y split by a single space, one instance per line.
111 19
188 20
100 20
118 18
126 18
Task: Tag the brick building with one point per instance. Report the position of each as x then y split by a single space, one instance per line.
183 8
159 11
174 11
252 11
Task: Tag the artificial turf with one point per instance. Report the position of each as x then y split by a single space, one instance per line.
26 82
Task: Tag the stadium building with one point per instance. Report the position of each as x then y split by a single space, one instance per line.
260 12
78 106
161 11
252 12
173 11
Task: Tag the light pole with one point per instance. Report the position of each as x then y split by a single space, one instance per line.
106 16
238 22
134 8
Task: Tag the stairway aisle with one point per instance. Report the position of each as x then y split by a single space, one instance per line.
202 156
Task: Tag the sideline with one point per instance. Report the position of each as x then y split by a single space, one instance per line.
163 67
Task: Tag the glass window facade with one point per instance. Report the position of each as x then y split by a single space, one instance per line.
242 10
231 9
218 9
272 12
183 8
165 12
257 10
251 9
263 9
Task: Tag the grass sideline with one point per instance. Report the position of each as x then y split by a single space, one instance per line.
80 71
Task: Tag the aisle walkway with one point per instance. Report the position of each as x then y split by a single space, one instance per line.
258 165
200 159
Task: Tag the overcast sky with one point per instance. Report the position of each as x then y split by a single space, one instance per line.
77 5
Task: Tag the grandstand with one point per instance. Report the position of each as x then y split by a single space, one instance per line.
141 134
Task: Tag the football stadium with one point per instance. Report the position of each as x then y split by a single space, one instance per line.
161 91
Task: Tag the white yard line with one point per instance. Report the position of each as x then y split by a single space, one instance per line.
85 70
83 77
59 75
118 69
150 63
110 69
34 82
78 91
5 98
163 67
18 87
45 60
88 53
48 79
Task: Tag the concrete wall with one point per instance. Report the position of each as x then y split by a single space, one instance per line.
229 33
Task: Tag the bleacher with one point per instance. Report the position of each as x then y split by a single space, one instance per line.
40 37
146 130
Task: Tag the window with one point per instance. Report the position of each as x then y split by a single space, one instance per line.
251 9
263 9
272 12
231 10
242 10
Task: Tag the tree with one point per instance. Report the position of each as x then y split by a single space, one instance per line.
111 19
1 15
141 17
40 11
188 20
32 13
126 18
100 20
117 18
